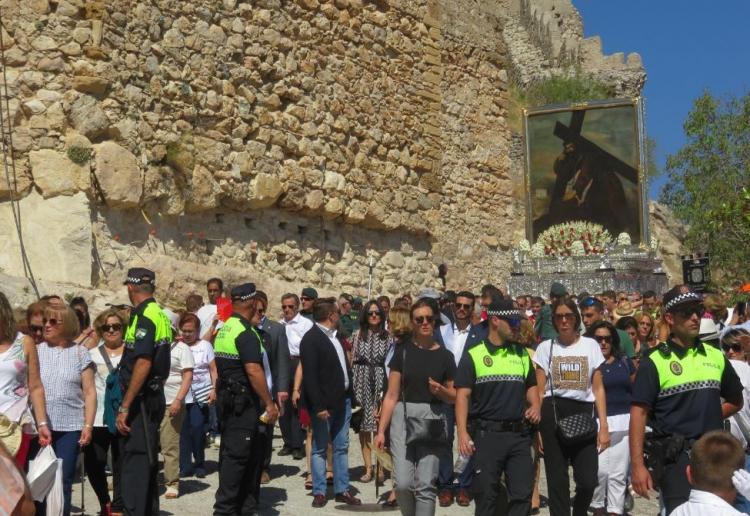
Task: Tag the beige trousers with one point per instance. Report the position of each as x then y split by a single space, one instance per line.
169 437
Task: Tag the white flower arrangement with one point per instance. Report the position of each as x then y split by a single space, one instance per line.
537 251
558 240
577 249
623 240
524 246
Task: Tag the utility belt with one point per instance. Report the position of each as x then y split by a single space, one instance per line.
233 396
661 450
486 425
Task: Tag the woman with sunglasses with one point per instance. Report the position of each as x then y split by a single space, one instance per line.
106 356
34 321
614 462
70 390
20 383
569 365
421 376
369 346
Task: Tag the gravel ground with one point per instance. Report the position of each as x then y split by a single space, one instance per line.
286 495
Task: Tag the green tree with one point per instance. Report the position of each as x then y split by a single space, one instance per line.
708 184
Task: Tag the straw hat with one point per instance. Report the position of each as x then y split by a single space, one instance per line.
624 309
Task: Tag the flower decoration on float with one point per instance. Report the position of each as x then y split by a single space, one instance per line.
537 251
623 240
577 249
558 240
524 246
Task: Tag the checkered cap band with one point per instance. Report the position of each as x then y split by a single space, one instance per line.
137 280
689 297
245 297
504 313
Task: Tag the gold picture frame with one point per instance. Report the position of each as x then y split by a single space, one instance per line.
586 161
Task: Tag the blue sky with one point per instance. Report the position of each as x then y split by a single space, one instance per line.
686 47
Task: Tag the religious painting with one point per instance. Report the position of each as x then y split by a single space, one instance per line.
584 163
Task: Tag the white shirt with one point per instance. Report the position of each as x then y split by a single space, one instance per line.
572 367
295 330
740 421
455 339
181 358
703 503
331 334
206 314
203 355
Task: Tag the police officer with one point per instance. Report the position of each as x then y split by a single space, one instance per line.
242 397
143 369
496 400
679 387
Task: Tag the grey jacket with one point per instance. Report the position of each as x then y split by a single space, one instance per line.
274 340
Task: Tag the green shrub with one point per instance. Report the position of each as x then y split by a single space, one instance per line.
79 155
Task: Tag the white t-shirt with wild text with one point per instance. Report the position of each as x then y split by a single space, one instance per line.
572 367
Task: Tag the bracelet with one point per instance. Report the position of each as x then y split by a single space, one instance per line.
42 423
86 425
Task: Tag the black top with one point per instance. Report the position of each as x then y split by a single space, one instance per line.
500 397
690 413
421 364
323 383
248 348
145 345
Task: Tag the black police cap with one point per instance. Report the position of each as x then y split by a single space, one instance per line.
243 292
504 309
140 276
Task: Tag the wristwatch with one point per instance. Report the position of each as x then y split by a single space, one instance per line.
123 410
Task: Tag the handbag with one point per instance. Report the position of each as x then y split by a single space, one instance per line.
426 427
574 429
112 393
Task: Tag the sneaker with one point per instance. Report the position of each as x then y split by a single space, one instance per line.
172 493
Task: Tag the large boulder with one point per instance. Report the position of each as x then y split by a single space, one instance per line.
265 189
119 175
55 174
56 235
88 118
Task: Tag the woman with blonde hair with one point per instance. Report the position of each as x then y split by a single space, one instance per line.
646 333
19 384
68 376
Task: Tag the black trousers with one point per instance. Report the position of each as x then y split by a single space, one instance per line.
674 485
498 453
240 461
267 447
291 430
139 464
95 461
557 457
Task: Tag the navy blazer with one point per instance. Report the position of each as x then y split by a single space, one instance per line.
322 377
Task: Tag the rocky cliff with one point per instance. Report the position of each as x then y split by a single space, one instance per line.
290 142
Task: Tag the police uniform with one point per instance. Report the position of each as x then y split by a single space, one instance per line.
499 377
682 388
239 409
148 335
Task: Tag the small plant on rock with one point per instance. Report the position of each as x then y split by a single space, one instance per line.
79 155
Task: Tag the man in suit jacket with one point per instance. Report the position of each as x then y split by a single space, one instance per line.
274 340
327 391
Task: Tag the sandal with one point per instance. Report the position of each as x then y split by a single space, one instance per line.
367 477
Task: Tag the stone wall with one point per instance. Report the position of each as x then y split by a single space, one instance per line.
290 142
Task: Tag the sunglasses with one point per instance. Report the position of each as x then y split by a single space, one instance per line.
373 314
303 298
603 338
111 327
464 306
287 307
423 319
52 322
589 301
569 315
36 329
687 313
737 348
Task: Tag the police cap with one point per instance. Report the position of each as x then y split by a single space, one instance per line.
243 292
674 298
309 293
503 308
139 276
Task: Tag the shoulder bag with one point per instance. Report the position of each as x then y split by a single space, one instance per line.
112 393
575 429
424 426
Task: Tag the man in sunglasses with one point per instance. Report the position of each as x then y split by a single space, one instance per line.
679 388
308 297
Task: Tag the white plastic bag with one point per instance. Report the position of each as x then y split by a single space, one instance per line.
55 498
42 471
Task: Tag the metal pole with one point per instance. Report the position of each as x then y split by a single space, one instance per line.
369 282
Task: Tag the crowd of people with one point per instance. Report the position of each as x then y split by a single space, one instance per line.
635 391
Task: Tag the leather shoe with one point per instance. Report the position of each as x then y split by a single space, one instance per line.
462 498
319 500
348 498
445 497
298 454
284 451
